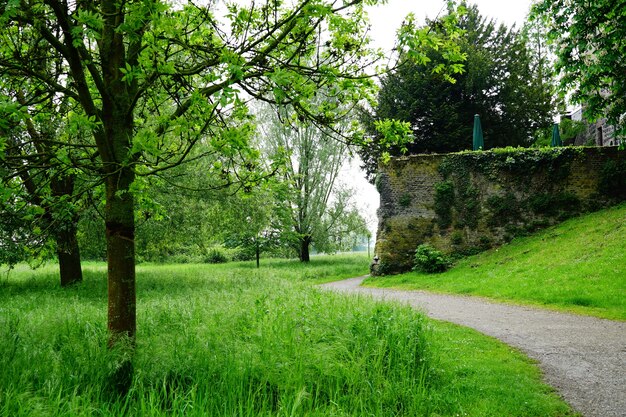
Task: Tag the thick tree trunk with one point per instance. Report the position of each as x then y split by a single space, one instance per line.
69 256
120 237
305 244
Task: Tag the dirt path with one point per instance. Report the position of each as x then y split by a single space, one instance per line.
584 358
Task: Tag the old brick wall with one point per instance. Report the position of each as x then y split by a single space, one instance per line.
471 201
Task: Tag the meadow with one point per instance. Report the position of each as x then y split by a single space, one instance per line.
231 340
578 266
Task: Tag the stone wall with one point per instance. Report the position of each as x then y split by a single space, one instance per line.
471 201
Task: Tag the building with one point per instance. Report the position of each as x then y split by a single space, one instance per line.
599 133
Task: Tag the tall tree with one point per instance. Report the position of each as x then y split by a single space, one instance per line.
589 39
501 82
314 158
153 79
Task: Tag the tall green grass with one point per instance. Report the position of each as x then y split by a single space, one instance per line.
577 266
230 340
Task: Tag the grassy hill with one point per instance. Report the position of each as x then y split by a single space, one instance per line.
578 266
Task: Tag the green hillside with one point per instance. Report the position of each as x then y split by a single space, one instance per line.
577 266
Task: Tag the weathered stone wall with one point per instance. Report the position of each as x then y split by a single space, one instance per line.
471 201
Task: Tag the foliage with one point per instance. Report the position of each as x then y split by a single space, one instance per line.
444 202
36 178
405 200
560 205
577 266
613 179
501 81
568 129
430 260
228 340
514 161
589 39
13 234
318 210
216 255
253 220
504 209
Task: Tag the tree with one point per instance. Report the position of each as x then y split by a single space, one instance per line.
501 81
153 79
314 157
589 39
41 181
253 219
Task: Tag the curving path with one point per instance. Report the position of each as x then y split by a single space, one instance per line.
584 358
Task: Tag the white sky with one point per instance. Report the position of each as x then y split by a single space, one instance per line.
385 20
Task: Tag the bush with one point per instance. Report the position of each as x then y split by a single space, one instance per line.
430 260
216 256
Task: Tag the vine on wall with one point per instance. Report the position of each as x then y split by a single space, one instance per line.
533 198
467 202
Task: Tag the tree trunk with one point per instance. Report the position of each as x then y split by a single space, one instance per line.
305 243
66 240
120 237
69 256
258 254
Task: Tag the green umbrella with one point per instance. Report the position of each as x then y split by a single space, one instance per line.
478 134
556 137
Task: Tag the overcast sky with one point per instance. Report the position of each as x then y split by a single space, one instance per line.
385 21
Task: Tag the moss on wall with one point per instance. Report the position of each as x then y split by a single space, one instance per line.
469 201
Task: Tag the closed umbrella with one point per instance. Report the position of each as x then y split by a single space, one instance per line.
556 137
478 134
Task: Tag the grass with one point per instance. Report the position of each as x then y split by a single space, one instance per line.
578 266
231 340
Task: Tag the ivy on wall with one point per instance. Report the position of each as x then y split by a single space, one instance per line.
444 202
520 208
466 202
513 161
613 179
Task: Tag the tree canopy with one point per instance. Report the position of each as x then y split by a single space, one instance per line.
501 82
589 39
317 207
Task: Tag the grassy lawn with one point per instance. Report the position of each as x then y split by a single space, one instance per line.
578 266
231 340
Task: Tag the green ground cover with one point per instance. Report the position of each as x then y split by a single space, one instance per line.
231 340
578 266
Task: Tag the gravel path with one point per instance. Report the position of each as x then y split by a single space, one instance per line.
584 358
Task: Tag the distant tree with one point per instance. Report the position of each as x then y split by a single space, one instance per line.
253 220
589 39
343 227
501 82
568 129
314 157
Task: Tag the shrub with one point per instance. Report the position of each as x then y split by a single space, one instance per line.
216 256
430 260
